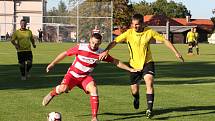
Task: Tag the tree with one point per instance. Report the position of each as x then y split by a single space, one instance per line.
213 18
143 8
122 12
61 10
170 9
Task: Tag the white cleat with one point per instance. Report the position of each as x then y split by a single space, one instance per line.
94 119
47 99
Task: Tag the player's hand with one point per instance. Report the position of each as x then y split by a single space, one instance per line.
49 67
135 70
16 46
34 45
103 55
179 56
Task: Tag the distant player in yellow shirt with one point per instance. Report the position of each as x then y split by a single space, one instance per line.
196 40
192 40
138 40
22 40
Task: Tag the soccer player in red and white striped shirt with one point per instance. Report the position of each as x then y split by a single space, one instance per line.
86 59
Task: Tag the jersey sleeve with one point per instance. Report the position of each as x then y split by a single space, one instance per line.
122 37
157 36
72 51
13 38
108 59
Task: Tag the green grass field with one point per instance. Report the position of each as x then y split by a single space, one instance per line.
184 91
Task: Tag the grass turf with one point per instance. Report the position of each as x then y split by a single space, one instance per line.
184 91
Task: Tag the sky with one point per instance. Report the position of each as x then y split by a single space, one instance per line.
200 9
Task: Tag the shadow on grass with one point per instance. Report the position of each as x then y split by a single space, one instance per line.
107 74
188 111
125 115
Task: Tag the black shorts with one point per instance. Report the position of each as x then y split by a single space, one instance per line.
148 68
193 44
24 56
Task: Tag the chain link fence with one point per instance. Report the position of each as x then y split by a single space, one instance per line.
75 25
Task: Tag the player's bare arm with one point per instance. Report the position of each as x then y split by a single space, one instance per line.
121 65
60 57
33 42
171 47
104 54
15 44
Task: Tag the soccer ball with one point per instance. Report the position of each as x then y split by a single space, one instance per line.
54 116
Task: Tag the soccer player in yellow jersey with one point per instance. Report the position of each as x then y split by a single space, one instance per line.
192 40
138 41
196 40
22 40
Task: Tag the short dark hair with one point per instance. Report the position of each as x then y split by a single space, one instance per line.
138 17
97 36
23 20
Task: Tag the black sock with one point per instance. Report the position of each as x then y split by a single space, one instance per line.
197 50
22 68
150 101
29 65
137 96
190 50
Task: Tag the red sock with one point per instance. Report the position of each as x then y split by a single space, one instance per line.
53 92
94 101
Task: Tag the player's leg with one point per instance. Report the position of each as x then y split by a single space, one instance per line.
29 62
135 78
89 86
190 48
149 80
67 84
197 48
56 91
136 95
22 65
149 72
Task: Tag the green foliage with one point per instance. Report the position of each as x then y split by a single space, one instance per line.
170 9
122 13
143 7
213 20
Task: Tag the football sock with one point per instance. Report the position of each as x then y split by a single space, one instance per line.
137 96
53 92
150 101
190 50
22 68
197 50
29 65
94 101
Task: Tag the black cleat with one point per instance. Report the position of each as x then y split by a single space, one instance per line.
148 114
136 103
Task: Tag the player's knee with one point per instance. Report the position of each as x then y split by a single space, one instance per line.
62 89
134 88
29 62
93 91
22 64
148 78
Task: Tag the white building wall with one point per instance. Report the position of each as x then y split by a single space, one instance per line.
33 9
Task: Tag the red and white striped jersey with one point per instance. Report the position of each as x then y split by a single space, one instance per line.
85 60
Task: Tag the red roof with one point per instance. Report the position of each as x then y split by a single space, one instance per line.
117 31
160 20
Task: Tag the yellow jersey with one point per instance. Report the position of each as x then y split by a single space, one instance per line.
196 36
191 37
23 38
139 45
